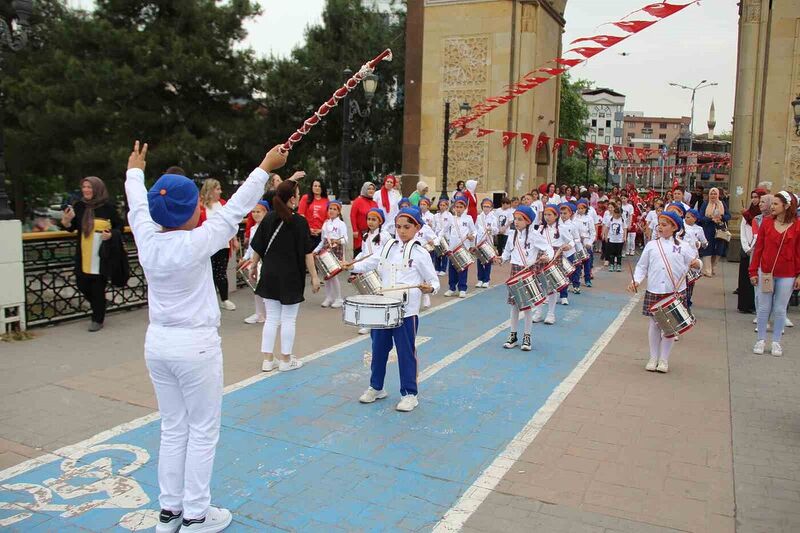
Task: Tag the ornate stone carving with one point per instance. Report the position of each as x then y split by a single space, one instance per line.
465 61
752 11
528 19
468 159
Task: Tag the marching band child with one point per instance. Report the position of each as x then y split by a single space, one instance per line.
505 219
614 234
486 228
525 247
651 220
424 207
558 241
695 237
460 231
401 262
664 262
427 237
373 240
442 220
334 239
571 231
259 212
588 231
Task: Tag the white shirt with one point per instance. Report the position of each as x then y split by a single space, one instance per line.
182 303
652 222
564 238
616 230
486 225
747 236
426 235
627 214
518 243
393 273
441 220
651 266
538 208
505 218
368 247
428 217
694 237
555 199
458 230
571 231
586 227
332 230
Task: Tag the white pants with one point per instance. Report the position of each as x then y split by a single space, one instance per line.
333 289
283 316
630 245
189 394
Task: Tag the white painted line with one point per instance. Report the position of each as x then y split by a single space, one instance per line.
472 498
461 352
73 449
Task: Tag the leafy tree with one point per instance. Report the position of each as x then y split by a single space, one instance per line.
572 125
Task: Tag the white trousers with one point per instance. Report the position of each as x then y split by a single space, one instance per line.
630 244
189 394
333 289
283 317
660 347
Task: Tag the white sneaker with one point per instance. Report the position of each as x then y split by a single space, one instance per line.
338 303
462 294
254 319
269 366
441 274
538 315
777 351
662 367
370 395
216 520
755 320
291 364
168 522
326 302
228 305
651 364
564 301
407 403
789 323
479 285
485 284
758 348
449 293
551 319
363 331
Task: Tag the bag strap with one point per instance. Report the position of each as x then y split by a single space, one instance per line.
274 234
777 255
667 265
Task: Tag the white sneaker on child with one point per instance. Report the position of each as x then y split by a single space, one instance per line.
564 301
326 302
789 323
449 293
370 395
363 331
538 315
651 364
216 520
337 303
254 319
662 367
551 319
291 364
462 294
228 305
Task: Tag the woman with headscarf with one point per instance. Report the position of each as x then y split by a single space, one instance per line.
358 214
472 206
715 216
95 218
387 199
422 190
748 229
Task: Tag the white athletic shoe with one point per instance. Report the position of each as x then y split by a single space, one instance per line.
337 304
363 331
755 320
326 302
651 364
564 301
479 285
269 366
486 285
777 351
441 274
370 395
216 520
291 364
662 367
168 522
254 319
228 305
551 319
462 294
449 293
538 315
789 323
407 403
758 348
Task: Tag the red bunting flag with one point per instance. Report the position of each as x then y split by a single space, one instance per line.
629 153
527 86
483 132
587 51
527 140
499 99
618 152
603 40
634 26
462 132
508 136
640 154
542 142
571 147
589 148
662 9
568 62
603 150
557 144
553 71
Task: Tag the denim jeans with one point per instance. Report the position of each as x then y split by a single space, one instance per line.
774 303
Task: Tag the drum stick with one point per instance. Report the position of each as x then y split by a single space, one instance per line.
630 269
401 288
358 260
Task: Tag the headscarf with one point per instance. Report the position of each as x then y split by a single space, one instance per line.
753 210
99 197
714 208
421 186
365 187
385 191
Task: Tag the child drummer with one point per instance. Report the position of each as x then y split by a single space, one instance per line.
373 240
664 262
525 247
459 232
401 262
486 227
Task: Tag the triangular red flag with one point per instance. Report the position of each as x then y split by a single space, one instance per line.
557 144
527 140
571 147
587 51
534 79
640 154
589 149
553 71
629 153
603 150
568 62
462 132
662 9
634 26
482 132
542 141
618 152
508 136
603 40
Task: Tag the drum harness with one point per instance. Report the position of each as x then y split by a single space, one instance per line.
668 267
393 269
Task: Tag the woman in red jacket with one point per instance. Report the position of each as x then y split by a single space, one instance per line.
775 268
358 214
314 207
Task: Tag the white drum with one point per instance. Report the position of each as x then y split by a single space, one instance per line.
372 311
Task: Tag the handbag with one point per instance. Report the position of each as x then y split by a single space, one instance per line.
723 233
767 280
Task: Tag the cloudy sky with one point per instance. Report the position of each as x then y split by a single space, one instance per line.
695 44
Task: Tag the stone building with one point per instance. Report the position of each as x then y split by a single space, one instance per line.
606 108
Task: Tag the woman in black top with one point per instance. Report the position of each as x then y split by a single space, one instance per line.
283 241
95 219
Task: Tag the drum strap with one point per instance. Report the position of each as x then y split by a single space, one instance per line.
522 256
667 265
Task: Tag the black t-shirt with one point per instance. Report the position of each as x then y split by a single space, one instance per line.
283 267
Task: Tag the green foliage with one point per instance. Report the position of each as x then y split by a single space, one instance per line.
573 114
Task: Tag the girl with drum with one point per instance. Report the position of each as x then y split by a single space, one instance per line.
405 263
459 233
523 249
664 262
588 232
442 220
486 228
333 240
373 241
559 241
571 230
694 236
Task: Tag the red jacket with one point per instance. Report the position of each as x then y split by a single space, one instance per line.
472 205
315 212
766 250
358 217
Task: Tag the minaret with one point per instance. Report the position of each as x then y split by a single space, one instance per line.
712 122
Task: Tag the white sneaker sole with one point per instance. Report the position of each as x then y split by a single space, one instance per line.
380 396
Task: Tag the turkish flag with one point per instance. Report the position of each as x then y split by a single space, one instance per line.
571 147
587 51
640 153
589 149
557 144
603 40
508 136
543 140
662 9
527 86
553 71
499 99
634 26
527 140
618 152
629 153
534 79
603 150
463 132
482 132
568 62
519 92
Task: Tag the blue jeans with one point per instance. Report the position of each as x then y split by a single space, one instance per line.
455 277
484 271
774 303
404 339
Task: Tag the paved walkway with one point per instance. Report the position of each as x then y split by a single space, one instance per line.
574 436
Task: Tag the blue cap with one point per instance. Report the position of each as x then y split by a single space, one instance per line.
583 201
526 211
569 205
694 213
673 217
265 205
172 200
404 200
335 202
413 213
425 199
676 206
487 200
460 198
378 211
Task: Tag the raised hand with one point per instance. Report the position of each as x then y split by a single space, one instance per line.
274 159
138 157
297 176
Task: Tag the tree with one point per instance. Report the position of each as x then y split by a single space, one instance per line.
573 114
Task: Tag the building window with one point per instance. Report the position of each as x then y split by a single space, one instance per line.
594 123
662 136
630 136
648 125
608 139
630 145
663 125
594 139
601 131
608 123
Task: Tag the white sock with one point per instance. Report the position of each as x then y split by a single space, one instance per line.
551 303
666 348
514 318
528 321
336 287
654 335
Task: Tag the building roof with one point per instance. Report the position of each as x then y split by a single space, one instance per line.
601 90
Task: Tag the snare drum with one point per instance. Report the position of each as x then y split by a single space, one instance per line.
567 266
327 264
486 252
368 283
552 278
372 311
693 275
581 255
461 259
526 289
672 316
441 248
429 247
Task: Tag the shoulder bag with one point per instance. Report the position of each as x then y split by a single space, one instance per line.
767 281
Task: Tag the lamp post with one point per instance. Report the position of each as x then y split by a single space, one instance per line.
464 108
14 36
702 85
796 109
351 110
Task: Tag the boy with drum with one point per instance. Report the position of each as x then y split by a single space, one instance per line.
459 232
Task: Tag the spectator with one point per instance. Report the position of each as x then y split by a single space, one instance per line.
715 216
422 190
211 203
314 207
752 217
388 198
358 214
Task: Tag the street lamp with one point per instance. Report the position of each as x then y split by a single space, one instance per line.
463 109
796 109
351 110
14 35
701 85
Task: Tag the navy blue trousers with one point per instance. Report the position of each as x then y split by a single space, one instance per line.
484 271
403 338
587 268
455 277
563 293
440 263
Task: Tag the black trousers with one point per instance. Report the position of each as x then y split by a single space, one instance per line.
614 252
93 288
219 271
501 243
746 297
